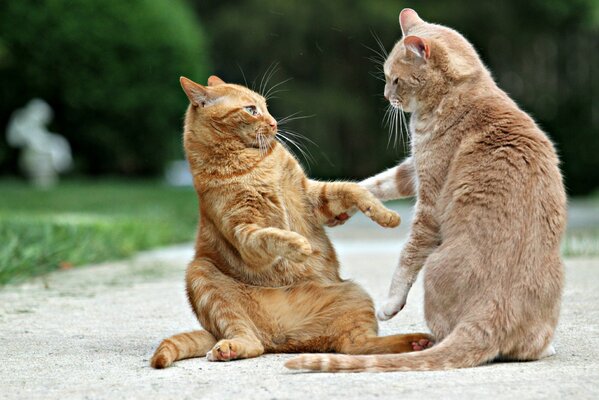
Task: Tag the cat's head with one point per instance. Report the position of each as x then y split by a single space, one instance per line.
222 112
427 58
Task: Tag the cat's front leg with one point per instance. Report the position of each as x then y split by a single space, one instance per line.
262 246
424 238
401 283
395 183
334 199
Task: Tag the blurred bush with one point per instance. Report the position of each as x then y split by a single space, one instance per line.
109 69
543 53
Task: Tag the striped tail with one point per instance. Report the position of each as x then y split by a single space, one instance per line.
181 346
460 349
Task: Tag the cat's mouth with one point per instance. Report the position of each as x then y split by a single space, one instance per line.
263 140
395 102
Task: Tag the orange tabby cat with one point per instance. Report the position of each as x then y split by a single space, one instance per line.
265 277
490 211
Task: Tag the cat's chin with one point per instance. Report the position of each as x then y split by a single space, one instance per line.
266 144
403 106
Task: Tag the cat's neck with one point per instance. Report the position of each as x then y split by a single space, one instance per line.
444 108
211 164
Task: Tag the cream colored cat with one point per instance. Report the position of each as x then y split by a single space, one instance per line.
490 212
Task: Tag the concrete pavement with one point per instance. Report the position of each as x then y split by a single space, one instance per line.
89 333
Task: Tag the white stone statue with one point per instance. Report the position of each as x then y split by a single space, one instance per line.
44 154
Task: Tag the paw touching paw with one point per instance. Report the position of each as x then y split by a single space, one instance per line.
380 214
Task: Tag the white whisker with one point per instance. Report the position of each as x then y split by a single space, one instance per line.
242 74
306 154
406 141
270 92
299 136
293 117
272 68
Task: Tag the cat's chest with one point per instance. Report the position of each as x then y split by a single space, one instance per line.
293 207
432 155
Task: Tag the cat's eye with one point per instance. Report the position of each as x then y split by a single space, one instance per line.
395 81
252 110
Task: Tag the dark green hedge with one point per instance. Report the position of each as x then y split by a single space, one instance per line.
545 54
109 69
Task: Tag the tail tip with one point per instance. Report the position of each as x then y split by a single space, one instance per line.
160 361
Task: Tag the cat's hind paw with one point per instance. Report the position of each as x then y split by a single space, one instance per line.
225 350
422 344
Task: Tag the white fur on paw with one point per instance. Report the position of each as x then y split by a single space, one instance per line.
209 356
391 307
548 352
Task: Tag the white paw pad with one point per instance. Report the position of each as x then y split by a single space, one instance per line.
548 352
391 307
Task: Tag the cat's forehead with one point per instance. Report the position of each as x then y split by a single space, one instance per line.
395 57
239 93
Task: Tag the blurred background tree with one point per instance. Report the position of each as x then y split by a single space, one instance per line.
543 53
109 69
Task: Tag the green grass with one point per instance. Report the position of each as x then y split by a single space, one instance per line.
85 222
583 240
78 223
581 243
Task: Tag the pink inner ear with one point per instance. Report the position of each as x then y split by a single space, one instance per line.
418 45
195 92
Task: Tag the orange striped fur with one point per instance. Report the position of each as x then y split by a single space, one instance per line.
265 277
490 212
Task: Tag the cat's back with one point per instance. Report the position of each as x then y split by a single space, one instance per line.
505 176
503 138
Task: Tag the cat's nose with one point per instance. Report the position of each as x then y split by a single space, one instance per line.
387 92
273 124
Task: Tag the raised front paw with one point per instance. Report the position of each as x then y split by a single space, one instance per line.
295 248
380 214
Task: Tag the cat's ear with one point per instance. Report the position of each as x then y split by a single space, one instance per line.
418 46
215 80
407 19
196 93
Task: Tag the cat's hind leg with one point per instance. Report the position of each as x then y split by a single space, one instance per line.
181 346
335 318
235 348
357 332
226 309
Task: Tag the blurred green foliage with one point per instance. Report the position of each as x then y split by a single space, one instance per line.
79 223
543 53
109 69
